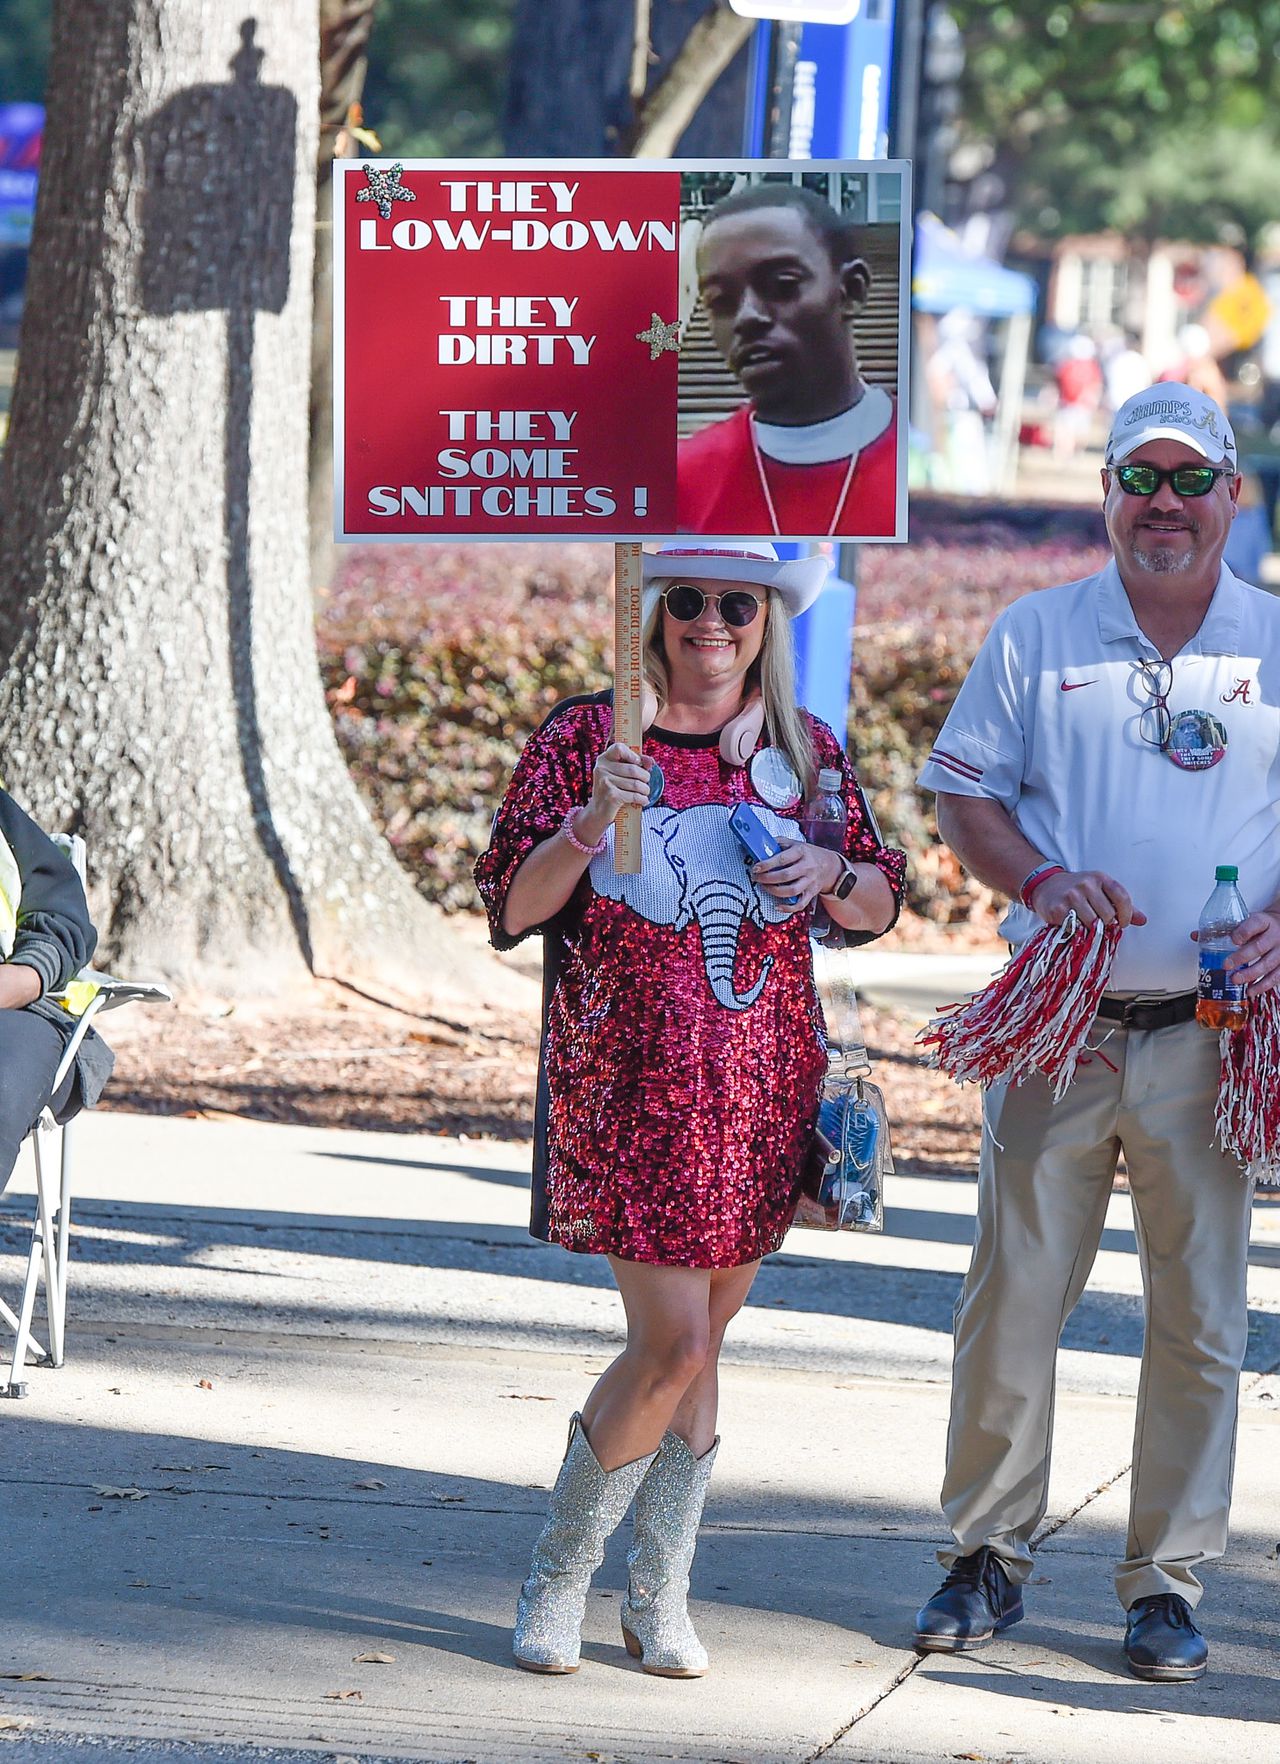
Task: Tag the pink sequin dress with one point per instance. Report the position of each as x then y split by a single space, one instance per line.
683 1042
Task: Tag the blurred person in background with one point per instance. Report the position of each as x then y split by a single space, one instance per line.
1196 365
964 401
1125 370
1078 377
1249 541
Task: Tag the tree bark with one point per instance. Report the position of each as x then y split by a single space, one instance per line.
161 694
668 110
571 87
344 56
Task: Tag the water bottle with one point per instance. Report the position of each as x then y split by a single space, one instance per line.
1220 1002
823 823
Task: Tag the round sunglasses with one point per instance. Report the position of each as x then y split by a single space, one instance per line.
736 606
1145 480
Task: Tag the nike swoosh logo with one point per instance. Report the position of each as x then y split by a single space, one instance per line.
1074 685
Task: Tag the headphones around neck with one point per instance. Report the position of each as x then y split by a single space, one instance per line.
739 736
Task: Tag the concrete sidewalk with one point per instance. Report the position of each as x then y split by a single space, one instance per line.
318 1385
917 986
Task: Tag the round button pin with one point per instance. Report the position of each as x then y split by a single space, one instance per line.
773 778
1197 740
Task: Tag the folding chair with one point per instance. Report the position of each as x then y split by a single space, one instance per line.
51 1224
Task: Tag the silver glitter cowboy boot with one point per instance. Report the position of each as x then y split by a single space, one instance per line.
655 1615
587 1506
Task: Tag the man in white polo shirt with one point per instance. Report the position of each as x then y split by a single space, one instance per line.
1116 739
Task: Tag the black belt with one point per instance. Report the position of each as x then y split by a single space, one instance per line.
1143 1013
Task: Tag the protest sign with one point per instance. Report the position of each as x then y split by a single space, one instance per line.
619 350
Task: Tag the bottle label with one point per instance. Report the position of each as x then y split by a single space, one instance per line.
1213 983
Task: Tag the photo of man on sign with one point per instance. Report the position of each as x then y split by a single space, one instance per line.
782 279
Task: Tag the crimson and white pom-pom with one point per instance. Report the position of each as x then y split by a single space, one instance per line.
1034 1016
1248 1118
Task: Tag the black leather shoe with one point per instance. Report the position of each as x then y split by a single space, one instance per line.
976 1601
1161 1640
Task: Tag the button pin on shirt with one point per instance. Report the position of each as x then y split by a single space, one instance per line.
1074 685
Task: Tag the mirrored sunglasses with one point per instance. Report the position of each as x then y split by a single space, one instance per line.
686 603
1145 480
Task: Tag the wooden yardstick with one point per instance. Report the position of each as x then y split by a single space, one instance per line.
628 686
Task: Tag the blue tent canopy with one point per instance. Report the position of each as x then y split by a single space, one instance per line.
946 276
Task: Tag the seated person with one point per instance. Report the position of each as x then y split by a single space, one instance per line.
45 939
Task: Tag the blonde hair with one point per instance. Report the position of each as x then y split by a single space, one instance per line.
773 674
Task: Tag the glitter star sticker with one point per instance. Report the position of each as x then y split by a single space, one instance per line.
659 337
384 188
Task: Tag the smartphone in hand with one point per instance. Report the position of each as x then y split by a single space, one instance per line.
752 835
755 839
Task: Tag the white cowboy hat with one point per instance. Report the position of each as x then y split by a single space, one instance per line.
796 581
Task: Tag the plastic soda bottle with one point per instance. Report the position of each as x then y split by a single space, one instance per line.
1221 1003
823 823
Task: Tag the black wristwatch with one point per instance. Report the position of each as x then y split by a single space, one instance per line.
847 883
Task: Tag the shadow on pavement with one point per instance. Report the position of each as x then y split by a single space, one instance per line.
508 1178
269 1561
144 1238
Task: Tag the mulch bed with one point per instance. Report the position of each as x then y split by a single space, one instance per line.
328 1058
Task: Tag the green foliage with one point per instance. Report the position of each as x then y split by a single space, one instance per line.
1150 116
24 50
1210 184
437 70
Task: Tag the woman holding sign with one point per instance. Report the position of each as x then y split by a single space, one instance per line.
683 1048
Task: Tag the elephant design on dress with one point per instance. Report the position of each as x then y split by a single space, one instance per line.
692 869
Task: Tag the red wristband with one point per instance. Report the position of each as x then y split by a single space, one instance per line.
1040 874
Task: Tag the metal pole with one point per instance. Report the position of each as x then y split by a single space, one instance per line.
904 92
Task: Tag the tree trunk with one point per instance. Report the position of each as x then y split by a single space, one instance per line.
665 113
344 57
571 89
162 694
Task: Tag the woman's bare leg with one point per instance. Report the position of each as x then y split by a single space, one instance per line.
695 1417
668 1338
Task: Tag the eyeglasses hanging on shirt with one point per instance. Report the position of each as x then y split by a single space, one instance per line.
1193 739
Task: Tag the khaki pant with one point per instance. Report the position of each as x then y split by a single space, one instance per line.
1044 1182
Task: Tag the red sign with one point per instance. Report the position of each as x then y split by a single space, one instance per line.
619 351
495 381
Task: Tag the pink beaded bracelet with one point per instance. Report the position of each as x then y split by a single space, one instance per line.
566 827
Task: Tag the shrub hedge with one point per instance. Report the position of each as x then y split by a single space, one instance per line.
438 663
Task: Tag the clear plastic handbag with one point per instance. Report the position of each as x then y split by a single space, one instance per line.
843 1184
